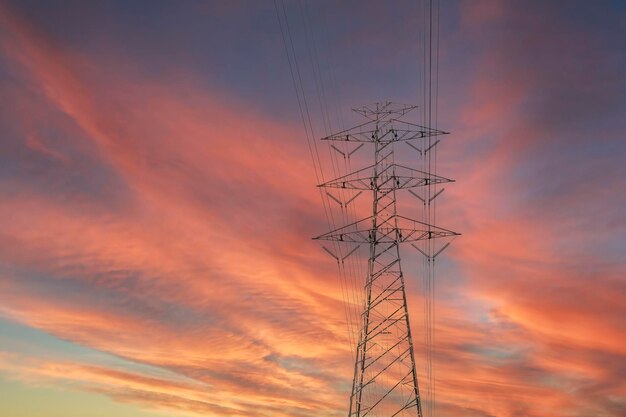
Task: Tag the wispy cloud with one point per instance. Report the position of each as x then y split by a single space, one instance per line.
168 224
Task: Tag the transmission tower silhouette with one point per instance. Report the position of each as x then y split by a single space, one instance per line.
385 379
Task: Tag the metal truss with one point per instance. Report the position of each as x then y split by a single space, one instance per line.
385 380
392 177
395 228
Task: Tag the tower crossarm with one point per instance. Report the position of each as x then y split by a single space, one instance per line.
378 111
407 230
384 132
392 177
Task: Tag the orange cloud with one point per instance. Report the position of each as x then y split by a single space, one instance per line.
202 265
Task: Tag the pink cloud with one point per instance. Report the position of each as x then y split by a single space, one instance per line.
206 269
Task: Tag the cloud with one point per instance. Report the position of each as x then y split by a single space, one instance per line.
180 274
183 243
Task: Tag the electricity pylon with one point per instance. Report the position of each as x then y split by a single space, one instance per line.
385 380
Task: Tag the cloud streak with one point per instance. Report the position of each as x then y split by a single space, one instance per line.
167 224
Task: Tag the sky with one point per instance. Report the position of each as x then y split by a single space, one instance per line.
158 199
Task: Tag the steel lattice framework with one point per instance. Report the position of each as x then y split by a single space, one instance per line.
385 379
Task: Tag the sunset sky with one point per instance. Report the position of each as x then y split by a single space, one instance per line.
157 203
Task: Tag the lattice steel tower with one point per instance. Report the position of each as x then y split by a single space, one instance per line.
385 379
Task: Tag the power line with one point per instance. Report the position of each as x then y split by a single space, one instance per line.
377 317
